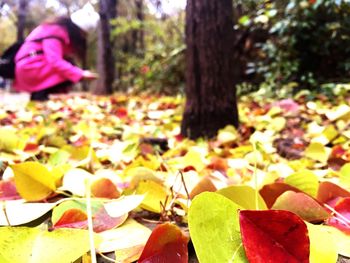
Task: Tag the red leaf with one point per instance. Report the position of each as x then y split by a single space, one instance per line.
72 218
121 112
274 236
31 147
342 219
270 192
328 191
103 221
8 190
104 188
166 244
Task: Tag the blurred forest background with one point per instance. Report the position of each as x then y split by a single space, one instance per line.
279 46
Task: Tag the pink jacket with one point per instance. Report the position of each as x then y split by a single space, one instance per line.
45 70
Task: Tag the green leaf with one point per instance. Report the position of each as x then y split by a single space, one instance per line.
305 180
322 245
33 245
59 157
214 229
243 196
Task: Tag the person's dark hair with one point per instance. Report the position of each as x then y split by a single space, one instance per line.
76 35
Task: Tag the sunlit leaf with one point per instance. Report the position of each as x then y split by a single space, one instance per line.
323 248
166 243
33 181
214 229
32 245
17 212
305 181
155 195
317 152
302 205
244 196
129 235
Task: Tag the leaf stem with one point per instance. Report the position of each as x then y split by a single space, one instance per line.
5 213
90 224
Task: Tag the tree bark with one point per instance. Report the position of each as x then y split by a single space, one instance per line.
106 59
22 14
210 77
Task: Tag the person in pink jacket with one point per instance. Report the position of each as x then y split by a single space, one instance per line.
42 63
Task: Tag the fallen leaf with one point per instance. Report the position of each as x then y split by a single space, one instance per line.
72 218
155 195
328 191
70 214
302 205
33 181
244 196
131 234
215 230
32 245
75 180
270 192
341 219
317 151
123 205
167 243
304 180
344 175
17 212
204 185
10 141
8 190
323 248
274 236
104 188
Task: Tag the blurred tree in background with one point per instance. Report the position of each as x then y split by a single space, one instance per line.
278 43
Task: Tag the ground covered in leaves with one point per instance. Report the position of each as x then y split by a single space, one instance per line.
112 177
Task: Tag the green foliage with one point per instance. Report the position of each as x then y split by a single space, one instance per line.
308 42
158 66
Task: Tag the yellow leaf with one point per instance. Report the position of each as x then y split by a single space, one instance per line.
228 134
155 195
33 181
33 245
342 240
323 247
138 174
317 151
194 158
277 124
10 141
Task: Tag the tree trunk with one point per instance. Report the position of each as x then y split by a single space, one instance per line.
138 35
210 77
22 13
106 59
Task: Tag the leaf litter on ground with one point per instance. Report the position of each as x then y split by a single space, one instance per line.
142 176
